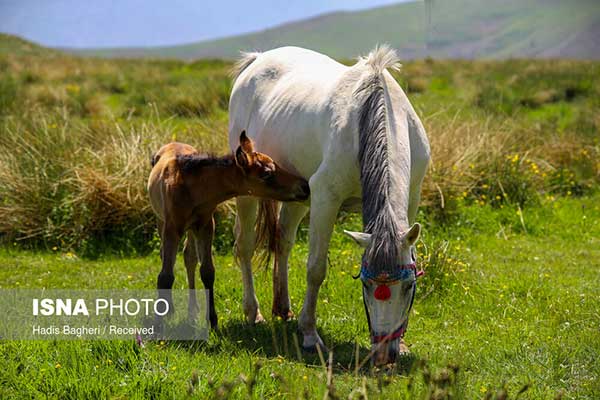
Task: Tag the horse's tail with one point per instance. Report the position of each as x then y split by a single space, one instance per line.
267 230
382 57
240 65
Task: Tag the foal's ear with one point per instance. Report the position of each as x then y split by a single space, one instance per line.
241 158
243 154
246 143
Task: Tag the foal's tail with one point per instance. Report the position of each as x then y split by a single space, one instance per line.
267 230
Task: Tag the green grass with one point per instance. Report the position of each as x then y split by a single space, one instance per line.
510 243
508 310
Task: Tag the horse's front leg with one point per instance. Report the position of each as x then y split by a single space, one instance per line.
289 218
324 206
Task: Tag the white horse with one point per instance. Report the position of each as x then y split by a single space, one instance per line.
352 132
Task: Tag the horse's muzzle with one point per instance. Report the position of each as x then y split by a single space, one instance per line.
385 352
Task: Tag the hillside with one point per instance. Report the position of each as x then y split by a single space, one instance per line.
10 44
452 29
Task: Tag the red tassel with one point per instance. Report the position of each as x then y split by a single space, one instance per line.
382 292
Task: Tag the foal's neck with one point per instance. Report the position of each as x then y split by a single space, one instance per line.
227 176
233 179
213 181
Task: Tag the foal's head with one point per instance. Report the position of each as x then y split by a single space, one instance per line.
264 178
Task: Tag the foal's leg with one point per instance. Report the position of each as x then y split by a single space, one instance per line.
190 258
324 206
170 241
245 235
204 238
161 228
289 218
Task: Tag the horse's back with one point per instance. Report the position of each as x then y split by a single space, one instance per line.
282 100
274 64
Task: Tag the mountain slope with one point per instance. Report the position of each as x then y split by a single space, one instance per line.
452 29
10 44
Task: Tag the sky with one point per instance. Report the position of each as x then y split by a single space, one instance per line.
127 23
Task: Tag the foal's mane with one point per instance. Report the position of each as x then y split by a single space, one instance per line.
193 163
379 217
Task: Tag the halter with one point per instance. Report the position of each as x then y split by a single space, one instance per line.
388 278
398 333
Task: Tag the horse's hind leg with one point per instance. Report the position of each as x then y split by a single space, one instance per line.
289 218
203 240
420 156
418 170
190 259
245 241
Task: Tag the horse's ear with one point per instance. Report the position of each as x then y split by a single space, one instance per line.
245 143
361 238
412 235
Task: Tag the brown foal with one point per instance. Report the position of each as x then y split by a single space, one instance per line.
185 188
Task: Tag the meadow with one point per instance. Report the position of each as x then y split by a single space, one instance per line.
509 303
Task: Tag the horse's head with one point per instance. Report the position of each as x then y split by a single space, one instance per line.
264 178
388 291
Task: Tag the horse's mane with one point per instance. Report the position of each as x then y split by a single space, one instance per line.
379 217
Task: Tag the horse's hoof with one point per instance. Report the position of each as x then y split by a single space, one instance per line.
403 349
286 315
313 349
259 319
